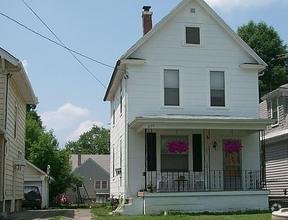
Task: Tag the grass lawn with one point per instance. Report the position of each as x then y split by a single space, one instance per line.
102 212
58 216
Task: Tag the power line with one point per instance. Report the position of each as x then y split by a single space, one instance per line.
47 38
64 45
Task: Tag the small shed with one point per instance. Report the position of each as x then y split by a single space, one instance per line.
34 176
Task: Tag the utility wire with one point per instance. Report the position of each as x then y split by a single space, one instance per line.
73 51
47 38
64 44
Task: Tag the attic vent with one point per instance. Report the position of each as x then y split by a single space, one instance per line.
192 10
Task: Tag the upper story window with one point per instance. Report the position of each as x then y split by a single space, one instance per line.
15 120
274 110
217 88
113 111
171 88
121 105
192 35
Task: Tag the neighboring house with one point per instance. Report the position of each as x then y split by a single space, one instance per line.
189 78
275 106
15 93
96 179
34 176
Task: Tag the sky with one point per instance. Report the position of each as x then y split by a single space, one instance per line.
70 99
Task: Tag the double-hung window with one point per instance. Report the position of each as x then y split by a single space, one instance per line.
274 110
217 89
101 184
171 87
173 162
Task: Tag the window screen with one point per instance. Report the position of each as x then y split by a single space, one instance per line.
217 88
192 35
171 87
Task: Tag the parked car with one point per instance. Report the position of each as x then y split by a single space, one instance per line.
32 197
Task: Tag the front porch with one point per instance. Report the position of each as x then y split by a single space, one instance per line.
203 176
213 180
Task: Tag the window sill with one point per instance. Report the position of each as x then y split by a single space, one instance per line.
275 125
171 107
217 108
193 45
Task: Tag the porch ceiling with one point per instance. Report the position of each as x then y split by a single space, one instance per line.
199 122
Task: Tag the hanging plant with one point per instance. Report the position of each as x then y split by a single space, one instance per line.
178 146
232 145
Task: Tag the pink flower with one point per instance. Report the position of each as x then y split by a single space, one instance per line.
232 145
178 146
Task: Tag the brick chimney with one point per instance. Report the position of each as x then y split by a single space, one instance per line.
79 158
146 19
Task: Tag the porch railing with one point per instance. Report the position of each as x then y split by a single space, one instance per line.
212 180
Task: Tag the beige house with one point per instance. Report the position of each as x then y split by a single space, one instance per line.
15 93
34 176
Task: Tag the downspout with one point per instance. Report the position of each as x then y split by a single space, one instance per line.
126 141
5 150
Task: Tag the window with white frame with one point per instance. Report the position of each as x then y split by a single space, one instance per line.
121 106
121 98
217 89
173 162
101 184
192 35
113 161
15 120
113 111
274 110
171 87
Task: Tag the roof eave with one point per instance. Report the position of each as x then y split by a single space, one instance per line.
140 124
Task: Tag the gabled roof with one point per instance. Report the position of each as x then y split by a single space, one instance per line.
102 160
211 12
276 92
38 169
166 19
20 77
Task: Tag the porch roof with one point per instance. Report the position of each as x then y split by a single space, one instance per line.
198 122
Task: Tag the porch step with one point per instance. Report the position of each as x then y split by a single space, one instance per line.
134 207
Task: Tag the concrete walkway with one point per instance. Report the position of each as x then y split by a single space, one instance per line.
80 214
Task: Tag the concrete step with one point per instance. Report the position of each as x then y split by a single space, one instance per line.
134 207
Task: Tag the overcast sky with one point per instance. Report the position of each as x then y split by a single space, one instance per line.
70 99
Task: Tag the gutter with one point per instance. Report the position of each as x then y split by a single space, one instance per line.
112 80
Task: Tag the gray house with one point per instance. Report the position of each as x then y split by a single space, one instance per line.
275 106
95 171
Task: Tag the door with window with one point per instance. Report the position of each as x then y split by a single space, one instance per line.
232 171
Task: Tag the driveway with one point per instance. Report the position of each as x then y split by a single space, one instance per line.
80 214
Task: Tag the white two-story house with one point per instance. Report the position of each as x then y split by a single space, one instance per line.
185 117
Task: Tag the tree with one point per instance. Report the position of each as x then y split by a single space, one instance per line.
41 149
95 141
266 42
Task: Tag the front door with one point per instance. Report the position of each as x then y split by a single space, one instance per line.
232 171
